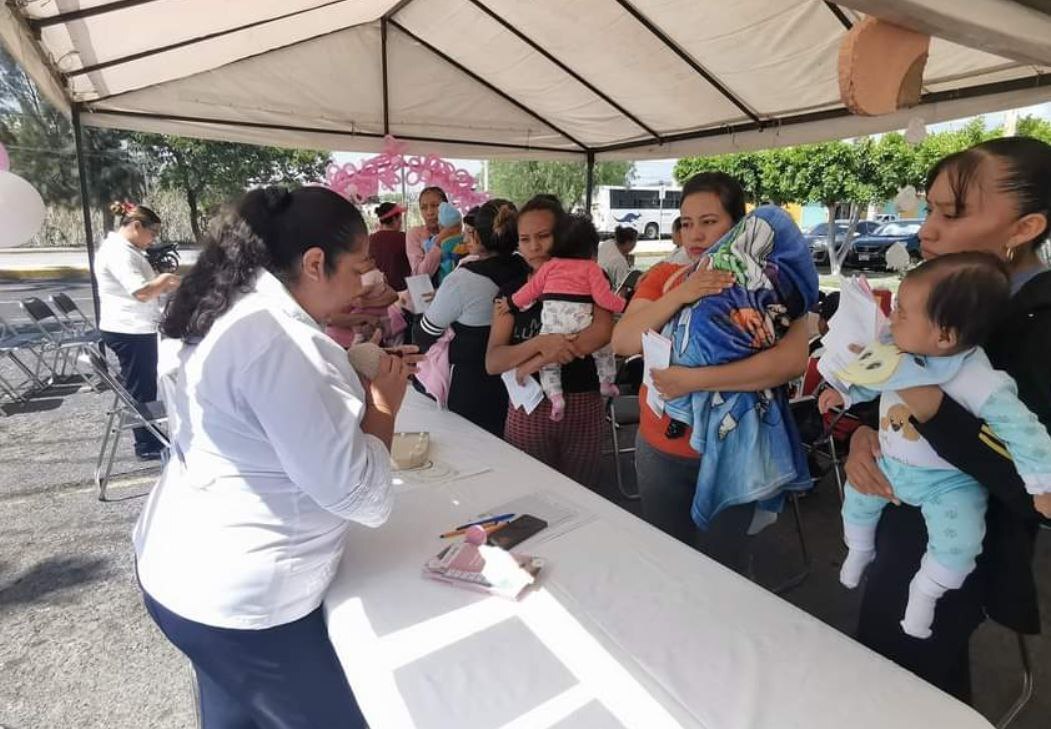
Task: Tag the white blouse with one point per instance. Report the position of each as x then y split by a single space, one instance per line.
121 269
245 527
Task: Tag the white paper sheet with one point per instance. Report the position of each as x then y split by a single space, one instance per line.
656 355
857 321
418 286
527 396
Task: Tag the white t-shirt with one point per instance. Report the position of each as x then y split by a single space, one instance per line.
121 269
245 527
613 262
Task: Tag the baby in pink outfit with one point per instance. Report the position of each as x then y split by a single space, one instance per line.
570 285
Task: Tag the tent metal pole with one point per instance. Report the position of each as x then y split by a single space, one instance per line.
499 92
321 130
61 18
85 205
590 183
566 69
193 41
840 15
688 59
383 58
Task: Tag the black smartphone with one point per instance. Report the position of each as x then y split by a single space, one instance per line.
517 531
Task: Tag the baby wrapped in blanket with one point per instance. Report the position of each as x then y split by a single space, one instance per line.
751 450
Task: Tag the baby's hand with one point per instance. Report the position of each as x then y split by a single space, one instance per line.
828 399
502 307
1042 503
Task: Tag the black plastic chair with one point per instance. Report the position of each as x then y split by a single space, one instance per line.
62 341
75 319
622 412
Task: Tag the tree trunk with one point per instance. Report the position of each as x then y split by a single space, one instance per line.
833 254
195 219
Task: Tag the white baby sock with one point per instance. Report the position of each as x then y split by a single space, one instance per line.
861 550
929 584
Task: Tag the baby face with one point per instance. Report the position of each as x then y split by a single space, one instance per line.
911 328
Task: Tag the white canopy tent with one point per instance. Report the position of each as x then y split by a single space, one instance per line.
561 79
551 79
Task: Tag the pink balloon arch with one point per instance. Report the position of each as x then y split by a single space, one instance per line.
391 166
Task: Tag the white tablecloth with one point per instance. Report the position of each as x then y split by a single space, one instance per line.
626 628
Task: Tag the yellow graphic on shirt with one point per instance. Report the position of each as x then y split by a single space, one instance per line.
875 364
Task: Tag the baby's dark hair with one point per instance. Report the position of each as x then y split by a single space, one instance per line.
624 233
575 237
968 294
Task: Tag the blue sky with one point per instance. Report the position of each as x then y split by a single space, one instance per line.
656 171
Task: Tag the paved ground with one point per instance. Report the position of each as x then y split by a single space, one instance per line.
77 649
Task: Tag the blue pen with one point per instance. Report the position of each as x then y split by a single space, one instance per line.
488 520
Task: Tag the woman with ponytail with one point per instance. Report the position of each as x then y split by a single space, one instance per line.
277 445
464 303
130 298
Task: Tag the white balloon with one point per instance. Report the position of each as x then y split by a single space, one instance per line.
21 210
916 131
897 257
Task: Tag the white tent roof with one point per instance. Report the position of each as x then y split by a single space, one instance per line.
513 78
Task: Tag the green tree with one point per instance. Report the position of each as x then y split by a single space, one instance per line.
1032 126
520 180
208 173
40 141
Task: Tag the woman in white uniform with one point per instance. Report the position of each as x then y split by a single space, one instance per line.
276 446
130 296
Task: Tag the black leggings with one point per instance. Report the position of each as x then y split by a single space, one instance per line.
944 658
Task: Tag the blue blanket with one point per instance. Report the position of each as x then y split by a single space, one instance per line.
748 440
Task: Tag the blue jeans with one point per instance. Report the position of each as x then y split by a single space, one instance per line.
285 677
138 371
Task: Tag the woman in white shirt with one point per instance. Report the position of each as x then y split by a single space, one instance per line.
130 306
276 446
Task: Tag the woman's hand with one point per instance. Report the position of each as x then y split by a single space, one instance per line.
169 282
828 399
676 381
500 306
1042 503
701 283
555 348
863 471
387 388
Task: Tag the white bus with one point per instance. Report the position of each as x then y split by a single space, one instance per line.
649 210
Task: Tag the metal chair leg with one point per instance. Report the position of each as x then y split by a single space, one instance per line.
111 437
796 580
618 468
1027 685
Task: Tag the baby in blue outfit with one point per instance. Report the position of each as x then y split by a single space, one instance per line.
946 308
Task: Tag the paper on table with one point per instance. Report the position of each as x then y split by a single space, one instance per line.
857 321
526 396
656 355
418 286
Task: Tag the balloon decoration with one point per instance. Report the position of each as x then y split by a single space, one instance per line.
916 131
389 168
907 201
21 207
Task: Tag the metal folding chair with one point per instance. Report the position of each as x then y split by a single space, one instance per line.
124 414
12 344
62 341
74 318
1027 685
622 412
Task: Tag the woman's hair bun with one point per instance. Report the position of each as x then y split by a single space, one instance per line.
276 199
504 216
117 208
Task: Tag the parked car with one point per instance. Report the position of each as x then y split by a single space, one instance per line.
817 237
869 251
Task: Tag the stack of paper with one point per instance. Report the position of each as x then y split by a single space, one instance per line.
857 322
526 395
656 355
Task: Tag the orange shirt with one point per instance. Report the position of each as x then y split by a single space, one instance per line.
650 288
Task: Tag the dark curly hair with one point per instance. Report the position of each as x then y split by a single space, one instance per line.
575 237
271 229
